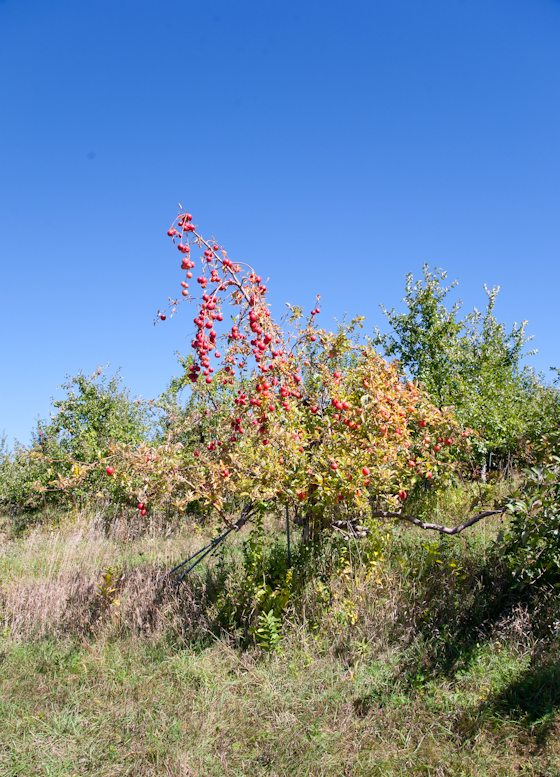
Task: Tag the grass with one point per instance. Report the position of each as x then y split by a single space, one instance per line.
424 663
126 707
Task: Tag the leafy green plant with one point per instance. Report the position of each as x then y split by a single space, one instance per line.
95 412
532 541
251 581
268 633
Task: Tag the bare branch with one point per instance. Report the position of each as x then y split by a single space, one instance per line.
436 526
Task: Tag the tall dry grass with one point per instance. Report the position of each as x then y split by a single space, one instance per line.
82 576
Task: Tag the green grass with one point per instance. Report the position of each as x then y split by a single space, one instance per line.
426 663
126 707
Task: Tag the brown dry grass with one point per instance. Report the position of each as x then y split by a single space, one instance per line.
52 580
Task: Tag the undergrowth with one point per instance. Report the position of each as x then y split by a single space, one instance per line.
401 653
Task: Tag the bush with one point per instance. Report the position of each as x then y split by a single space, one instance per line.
532 542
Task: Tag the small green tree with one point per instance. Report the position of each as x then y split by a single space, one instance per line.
423 336
96 413
472 364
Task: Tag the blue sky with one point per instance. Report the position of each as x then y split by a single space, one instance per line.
336 146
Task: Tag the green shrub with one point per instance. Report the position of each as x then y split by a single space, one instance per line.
532 542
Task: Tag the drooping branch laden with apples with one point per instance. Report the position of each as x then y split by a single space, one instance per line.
283 412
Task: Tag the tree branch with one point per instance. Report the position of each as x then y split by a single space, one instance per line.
436 526
246 514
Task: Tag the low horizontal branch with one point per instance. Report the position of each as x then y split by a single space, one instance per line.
436 526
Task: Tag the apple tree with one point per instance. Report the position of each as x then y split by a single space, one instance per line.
282 413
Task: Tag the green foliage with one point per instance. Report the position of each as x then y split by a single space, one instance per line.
269 631
95 414
425 333
472 364
532 542
16 472
108 587
252 589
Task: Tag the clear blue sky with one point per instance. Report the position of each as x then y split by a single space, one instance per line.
334 145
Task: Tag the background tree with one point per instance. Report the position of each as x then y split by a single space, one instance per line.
472 364
96 413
